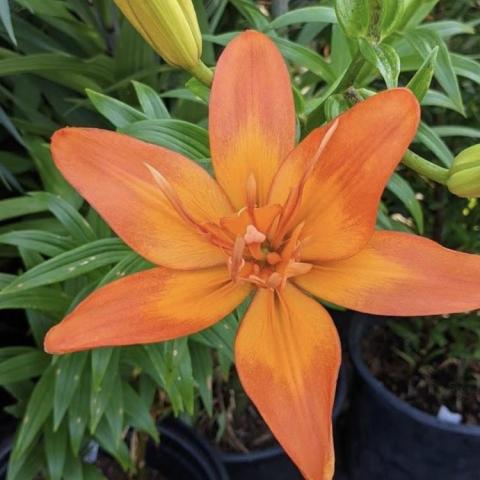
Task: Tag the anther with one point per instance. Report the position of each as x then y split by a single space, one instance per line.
252 235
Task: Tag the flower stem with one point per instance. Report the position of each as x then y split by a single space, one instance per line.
202 73
351 74
426 168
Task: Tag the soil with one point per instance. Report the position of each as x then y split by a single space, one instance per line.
112 470
437 376
243 429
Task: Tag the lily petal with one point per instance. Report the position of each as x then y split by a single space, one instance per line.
399 274
150 306
287 354
252 116
341 197
111 171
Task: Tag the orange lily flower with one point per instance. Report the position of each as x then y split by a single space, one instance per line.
286 222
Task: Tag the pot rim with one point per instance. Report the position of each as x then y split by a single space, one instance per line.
276 450
360 325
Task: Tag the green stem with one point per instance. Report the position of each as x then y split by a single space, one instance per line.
351 74
202 73
426 168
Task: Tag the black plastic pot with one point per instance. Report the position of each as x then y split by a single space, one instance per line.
180 455
274 463
183 455
391 440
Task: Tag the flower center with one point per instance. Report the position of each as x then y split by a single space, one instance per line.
257 256
262 244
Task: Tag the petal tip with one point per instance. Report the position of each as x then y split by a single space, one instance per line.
406 95
49 342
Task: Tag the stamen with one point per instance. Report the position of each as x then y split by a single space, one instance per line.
297 268
292 244
252 235
172 196
323 144
274 280
294 198
236 261
256 280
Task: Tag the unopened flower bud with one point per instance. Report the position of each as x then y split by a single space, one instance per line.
464 177
169 26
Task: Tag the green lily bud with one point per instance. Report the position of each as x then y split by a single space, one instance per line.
169 26
464 175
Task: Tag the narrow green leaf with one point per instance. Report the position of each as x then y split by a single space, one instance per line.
100 397
23 366
456 131
70 264
250 11
55 444
106 439
182 137
220 336
43 299
138 413
115 412
45 243
10 127
100 362
27 466
435 144
372 19
120 114
466 67
424 42
6 19
132 53
434 98
68 372
449 28
57 64
73 468
202 364
17 207
420 82
304 15
384 58
78 413
416 11
52 179
306 57
198 89
132 263
68 216
404 192
151 103
38 409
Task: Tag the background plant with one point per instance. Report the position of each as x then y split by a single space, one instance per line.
71 62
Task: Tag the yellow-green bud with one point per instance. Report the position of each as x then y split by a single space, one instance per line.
464 177
169 26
